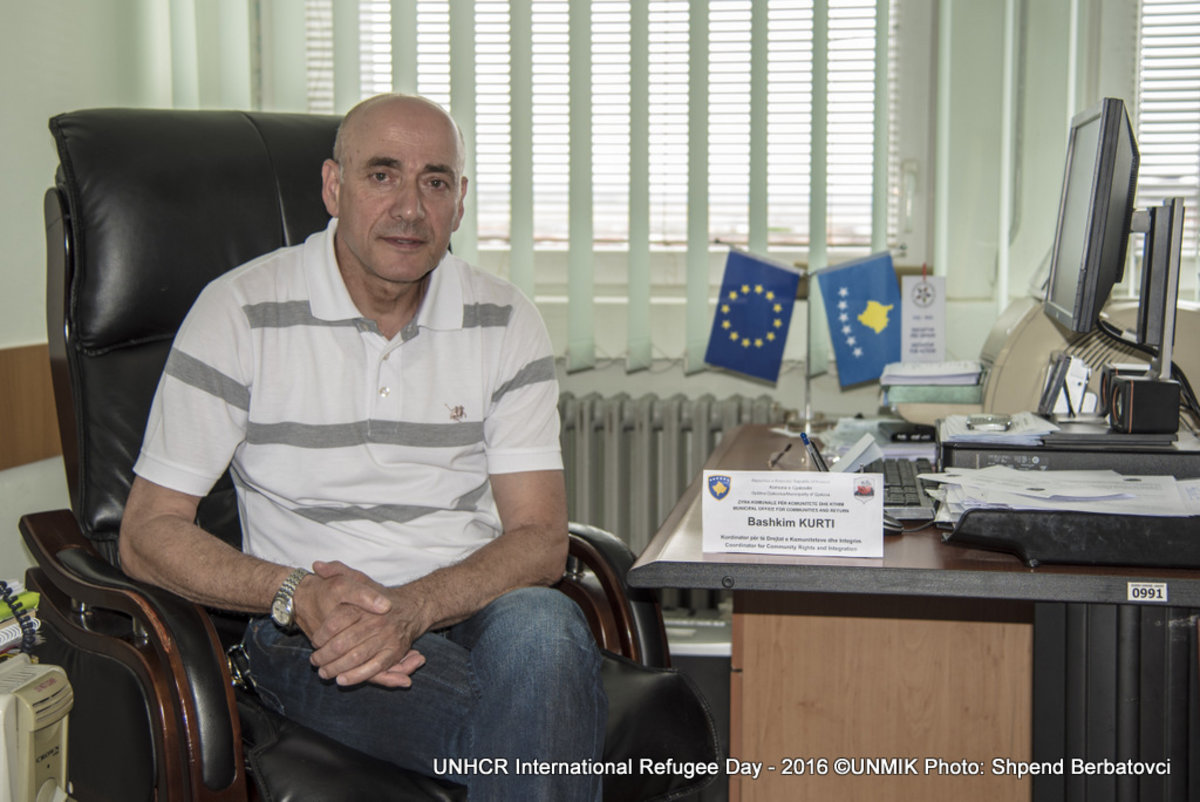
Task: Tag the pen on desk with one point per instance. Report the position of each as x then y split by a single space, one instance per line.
813 455
774 460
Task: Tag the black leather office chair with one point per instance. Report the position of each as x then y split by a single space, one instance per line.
148 207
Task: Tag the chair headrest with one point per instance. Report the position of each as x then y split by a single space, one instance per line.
162 202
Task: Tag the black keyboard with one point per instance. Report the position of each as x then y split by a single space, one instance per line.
903 495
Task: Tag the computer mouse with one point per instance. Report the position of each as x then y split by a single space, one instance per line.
891 526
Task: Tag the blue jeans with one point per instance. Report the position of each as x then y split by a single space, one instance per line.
518 681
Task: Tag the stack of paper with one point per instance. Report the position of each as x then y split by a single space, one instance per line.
849 434
1026 429
940 382
1002 487
962 372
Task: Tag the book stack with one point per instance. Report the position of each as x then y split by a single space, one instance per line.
18 617
923 392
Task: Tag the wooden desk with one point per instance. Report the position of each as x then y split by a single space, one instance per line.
928 653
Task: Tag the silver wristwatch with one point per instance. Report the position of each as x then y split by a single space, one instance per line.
283 608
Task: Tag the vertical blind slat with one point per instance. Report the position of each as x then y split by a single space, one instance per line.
185 77
759 77
941 197
1007 126
284 64
879 179
818 231
581 349
698 319
404 46
521 252
638 347
346 67
463 109
222 37
817 346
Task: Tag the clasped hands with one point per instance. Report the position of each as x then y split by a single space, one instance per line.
360 630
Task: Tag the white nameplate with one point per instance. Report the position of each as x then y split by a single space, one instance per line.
801 513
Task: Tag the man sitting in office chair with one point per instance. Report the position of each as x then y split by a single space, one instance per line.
389 415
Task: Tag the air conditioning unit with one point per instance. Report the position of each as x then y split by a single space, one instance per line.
34 702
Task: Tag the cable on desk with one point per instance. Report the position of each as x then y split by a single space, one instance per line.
29 636
1187 396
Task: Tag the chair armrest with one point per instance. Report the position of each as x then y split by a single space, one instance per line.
632 625
181 658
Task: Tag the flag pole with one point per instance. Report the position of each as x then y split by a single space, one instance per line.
808 344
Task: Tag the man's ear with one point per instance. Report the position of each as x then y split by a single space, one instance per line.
331 185
462 196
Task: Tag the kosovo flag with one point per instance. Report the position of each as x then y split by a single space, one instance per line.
862 305
754 310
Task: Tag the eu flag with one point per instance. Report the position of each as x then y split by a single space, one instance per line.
862 305
754 310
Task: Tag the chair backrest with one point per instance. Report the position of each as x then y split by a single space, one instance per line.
148 207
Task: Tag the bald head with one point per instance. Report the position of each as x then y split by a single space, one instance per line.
396 103
396 186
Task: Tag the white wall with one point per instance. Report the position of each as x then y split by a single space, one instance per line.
1045 100
56 57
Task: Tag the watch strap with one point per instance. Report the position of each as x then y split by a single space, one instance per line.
285 596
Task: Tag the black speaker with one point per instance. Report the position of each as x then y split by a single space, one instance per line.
1139 405
1108 374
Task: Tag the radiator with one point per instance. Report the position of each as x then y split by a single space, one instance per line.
628 460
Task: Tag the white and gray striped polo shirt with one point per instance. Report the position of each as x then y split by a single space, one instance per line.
345 445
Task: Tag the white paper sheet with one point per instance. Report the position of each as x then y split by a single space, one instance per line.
1002 487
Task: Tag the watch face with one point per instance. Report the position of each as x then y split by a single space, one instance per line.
281 611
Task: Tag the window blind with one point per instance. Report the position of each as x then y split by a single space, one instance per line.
318 56
1168 115
694 117
733 49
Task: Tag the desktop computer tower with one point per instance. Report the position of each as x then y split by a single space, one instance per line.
1083 448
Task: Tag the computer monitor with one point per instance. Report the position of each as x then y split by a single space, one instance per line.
1094 215
1155 325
